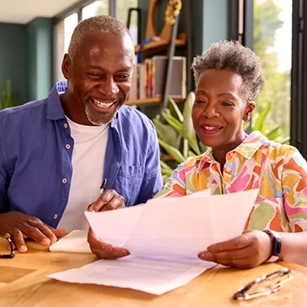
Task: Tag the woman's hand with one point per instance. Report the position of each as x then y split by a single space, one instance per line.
249 250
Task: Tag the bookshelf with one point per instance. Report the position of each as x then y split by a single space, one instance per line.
148 101
168 41
162 45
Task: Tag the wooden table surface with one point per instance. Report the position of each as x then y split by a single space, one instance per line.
23 282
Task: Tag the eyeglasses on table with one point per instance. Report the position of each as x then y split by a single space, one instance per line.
264 285
7 249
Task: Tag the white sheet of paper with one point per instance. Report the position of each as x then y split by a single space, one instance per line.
166 232
73 242
147 273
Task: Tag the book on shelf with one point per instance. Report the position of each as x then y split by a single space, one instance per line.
177 87
149 78
138 82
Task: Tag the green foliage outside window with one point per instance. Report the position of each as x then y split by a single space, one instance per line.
275 94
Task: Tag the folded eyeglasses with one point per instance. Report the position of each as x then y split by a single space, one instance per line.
264 285
6 248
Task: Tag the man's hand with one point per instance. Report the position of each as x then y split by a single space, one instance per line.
103 250
19 226
246 251
108 200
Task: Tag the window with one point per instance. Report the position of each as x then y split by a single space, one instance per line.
65 26
122 7
272 41
63 32
95 8
70 23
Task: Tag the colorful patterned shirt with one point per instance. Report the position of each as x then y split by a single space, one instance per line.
279 171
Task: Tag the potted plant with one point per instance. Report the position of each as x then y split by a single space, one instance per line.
6 95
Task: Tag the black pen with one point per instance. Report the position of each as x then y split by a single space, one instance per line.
103 185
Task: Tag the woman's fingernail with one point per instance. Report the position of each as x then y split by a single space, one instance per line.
206 256
125 252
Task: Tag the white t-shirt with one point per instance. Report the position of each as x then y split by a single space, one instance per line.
88 158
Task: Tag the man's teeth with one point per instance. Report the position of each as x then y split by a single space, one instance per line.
102 104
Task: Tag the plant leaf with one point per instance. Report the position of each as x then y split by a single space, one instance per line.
165 167
188 131
192 153
174 110
166 133
273 134
260 120
174 152
176 124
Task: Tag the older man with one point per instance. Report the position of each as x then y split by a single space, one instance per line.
55 152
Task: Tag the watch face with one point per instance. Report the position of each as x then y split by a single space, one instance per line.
276 246
276 242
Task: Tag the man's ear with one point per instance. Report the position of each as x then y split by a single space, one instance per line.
249 109
66 66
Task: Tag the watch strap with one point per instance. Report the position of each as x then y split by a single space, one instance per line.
276 245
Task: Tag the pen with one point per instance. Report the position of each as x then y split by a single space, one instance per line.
103 185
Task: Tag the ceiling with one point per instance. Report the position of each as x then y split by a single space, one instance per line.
23 11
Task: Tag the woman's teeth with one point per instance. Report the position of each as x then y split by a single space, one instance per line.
211 128
102 104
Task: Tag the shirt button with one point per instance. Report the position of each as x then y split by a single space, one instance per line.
67 146
64 180
55 216
65 125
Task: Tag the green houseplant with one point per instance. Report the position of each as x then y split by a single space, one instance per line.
6 95
176 134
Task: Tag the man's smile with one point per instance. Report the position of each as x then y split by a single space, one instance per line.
103 105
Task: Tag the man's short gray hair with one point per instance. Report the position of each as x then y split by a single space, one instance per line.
102 23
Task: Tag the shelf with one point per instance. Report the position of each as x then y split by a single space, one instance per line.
150 101
161 45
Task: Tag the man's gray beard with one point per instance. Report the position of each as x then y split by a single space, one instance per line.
100 122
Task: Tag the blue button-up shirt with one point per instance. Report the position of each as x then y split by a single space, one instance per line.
36 165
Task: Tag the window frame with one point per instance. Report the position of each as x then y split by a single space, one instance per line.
298 123
298 92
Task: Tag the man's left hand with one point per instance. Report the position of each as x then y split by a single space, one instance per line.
108 200
104 250
246 251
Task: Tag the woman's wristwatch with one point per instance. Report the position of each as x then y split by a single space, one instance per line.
276 245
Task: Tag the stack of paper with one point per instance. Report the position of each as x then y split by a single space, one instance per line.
74 242
164 238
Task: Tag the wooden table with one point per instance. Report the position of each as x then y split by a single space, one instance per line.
23 282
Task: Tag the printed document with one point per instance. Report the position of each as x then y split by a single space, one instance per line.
164 237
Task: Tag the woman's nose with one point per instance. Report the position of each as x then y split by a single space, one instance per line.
210 111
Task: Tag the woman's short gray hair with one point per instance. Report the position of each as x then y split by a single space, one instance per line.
102 23
232 56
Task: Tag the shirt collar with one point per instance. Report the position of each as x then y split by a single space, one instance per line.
54 107
246 149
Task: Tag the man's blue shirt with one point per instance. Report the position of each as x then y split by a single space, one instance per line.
36 166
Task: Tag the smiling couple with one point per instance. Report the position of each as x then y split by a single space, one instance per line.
55 152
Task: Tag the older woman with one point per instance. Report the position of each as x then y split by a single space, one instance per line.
228 78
